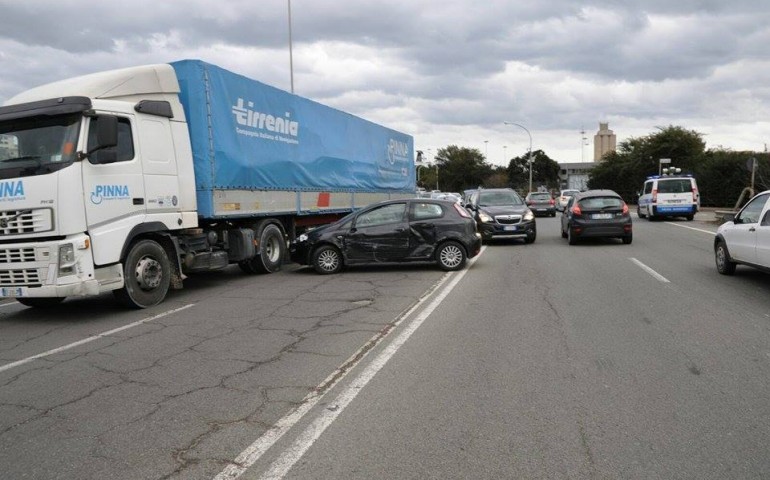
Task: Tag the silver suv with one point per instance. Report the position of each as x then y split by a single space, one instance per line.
745 239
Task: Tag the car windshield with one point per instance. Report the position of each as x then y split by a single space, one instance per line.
35 146
600 203
491 199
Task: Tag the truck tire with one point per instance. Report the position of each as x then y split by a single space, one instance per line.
147 275
38 302
272 249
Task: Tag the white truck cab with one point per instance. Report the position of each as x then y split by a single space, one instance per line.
669 196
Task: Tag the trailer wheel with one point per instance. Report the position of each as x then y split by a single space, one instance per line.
39 302
147 275
272 250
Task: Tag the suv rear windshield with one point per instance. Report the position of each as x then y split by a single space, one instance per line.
678 185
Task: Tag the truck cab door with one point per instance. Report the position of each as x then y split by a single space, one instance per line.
114 191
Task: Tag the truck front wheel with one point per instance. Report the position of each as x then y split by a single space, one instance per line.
147 275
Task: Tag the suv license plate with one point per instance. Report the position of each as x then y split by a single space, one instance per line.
510 228
11 292
601 216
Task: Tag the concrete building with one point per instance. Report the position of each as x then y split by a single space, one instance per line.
574 176
604 141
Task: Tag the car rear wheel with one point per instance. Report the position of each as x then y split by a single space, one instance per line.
571 239
628 239
722 256
690 217
327 260
450 256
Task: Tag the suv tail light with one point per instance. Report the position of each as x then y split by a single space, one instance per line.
462 211
694 195
551 201
576 210
655 196
625 208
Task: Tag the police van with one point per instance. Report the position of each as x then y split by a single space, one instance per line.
665 195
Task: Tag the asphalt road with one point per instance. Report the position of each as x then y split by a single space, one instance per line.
599 360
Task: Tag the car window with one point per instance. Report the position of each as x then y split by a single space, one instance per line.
600 202
425 211
648 187
766 219
499 199
678 185
752 210
391 213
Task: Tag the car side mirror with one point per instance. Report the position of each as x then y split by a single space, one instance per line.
728 217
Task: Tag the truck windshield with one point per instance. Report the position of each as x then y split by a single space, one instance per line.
39 145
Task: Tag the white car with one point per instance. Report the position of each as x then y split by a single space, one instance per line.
745 239
564 197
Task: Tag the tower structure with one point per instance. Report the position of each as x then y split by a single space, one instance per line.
604 141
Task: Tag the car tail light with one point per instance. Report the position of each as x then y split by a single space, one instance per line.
551 201
694 195
576 210
655 196
462 211
625 209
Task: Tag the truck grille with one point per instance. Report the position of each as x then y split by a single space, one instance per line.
16 255
17 222
23 277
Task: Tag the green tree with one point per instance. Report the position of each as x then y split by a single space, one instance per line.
545 171
461 168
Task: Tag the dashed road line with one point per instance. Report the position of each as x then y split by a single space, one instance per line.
649 270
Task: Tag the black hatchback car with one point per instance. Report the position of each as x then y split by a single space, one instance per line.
596 213
394 231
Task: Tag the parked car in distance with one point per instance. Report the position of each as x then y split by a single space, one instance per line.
596 213
668 196
541 203
502 213
564 197
745 239
394 231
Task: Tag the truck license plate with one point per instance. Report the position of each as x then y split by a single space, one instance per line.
11 292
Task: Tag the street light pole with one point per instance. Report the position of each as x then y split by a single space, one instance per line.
530 150
291 56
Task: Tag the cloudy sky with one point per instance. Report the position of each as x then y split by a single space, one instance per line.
447 72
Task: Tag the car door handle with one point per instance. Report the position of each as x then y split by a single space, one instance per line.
752 229
400 230
424 225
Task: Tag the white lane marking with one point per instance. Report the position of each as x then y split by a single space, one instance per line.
254 452
650 271
9 366
691 228
2 305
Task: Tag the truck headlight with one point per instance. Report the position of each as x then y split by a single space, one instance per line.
66 259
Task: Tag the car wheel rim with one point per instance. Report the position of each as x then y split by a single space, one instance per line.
721 257
328 260
451 256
